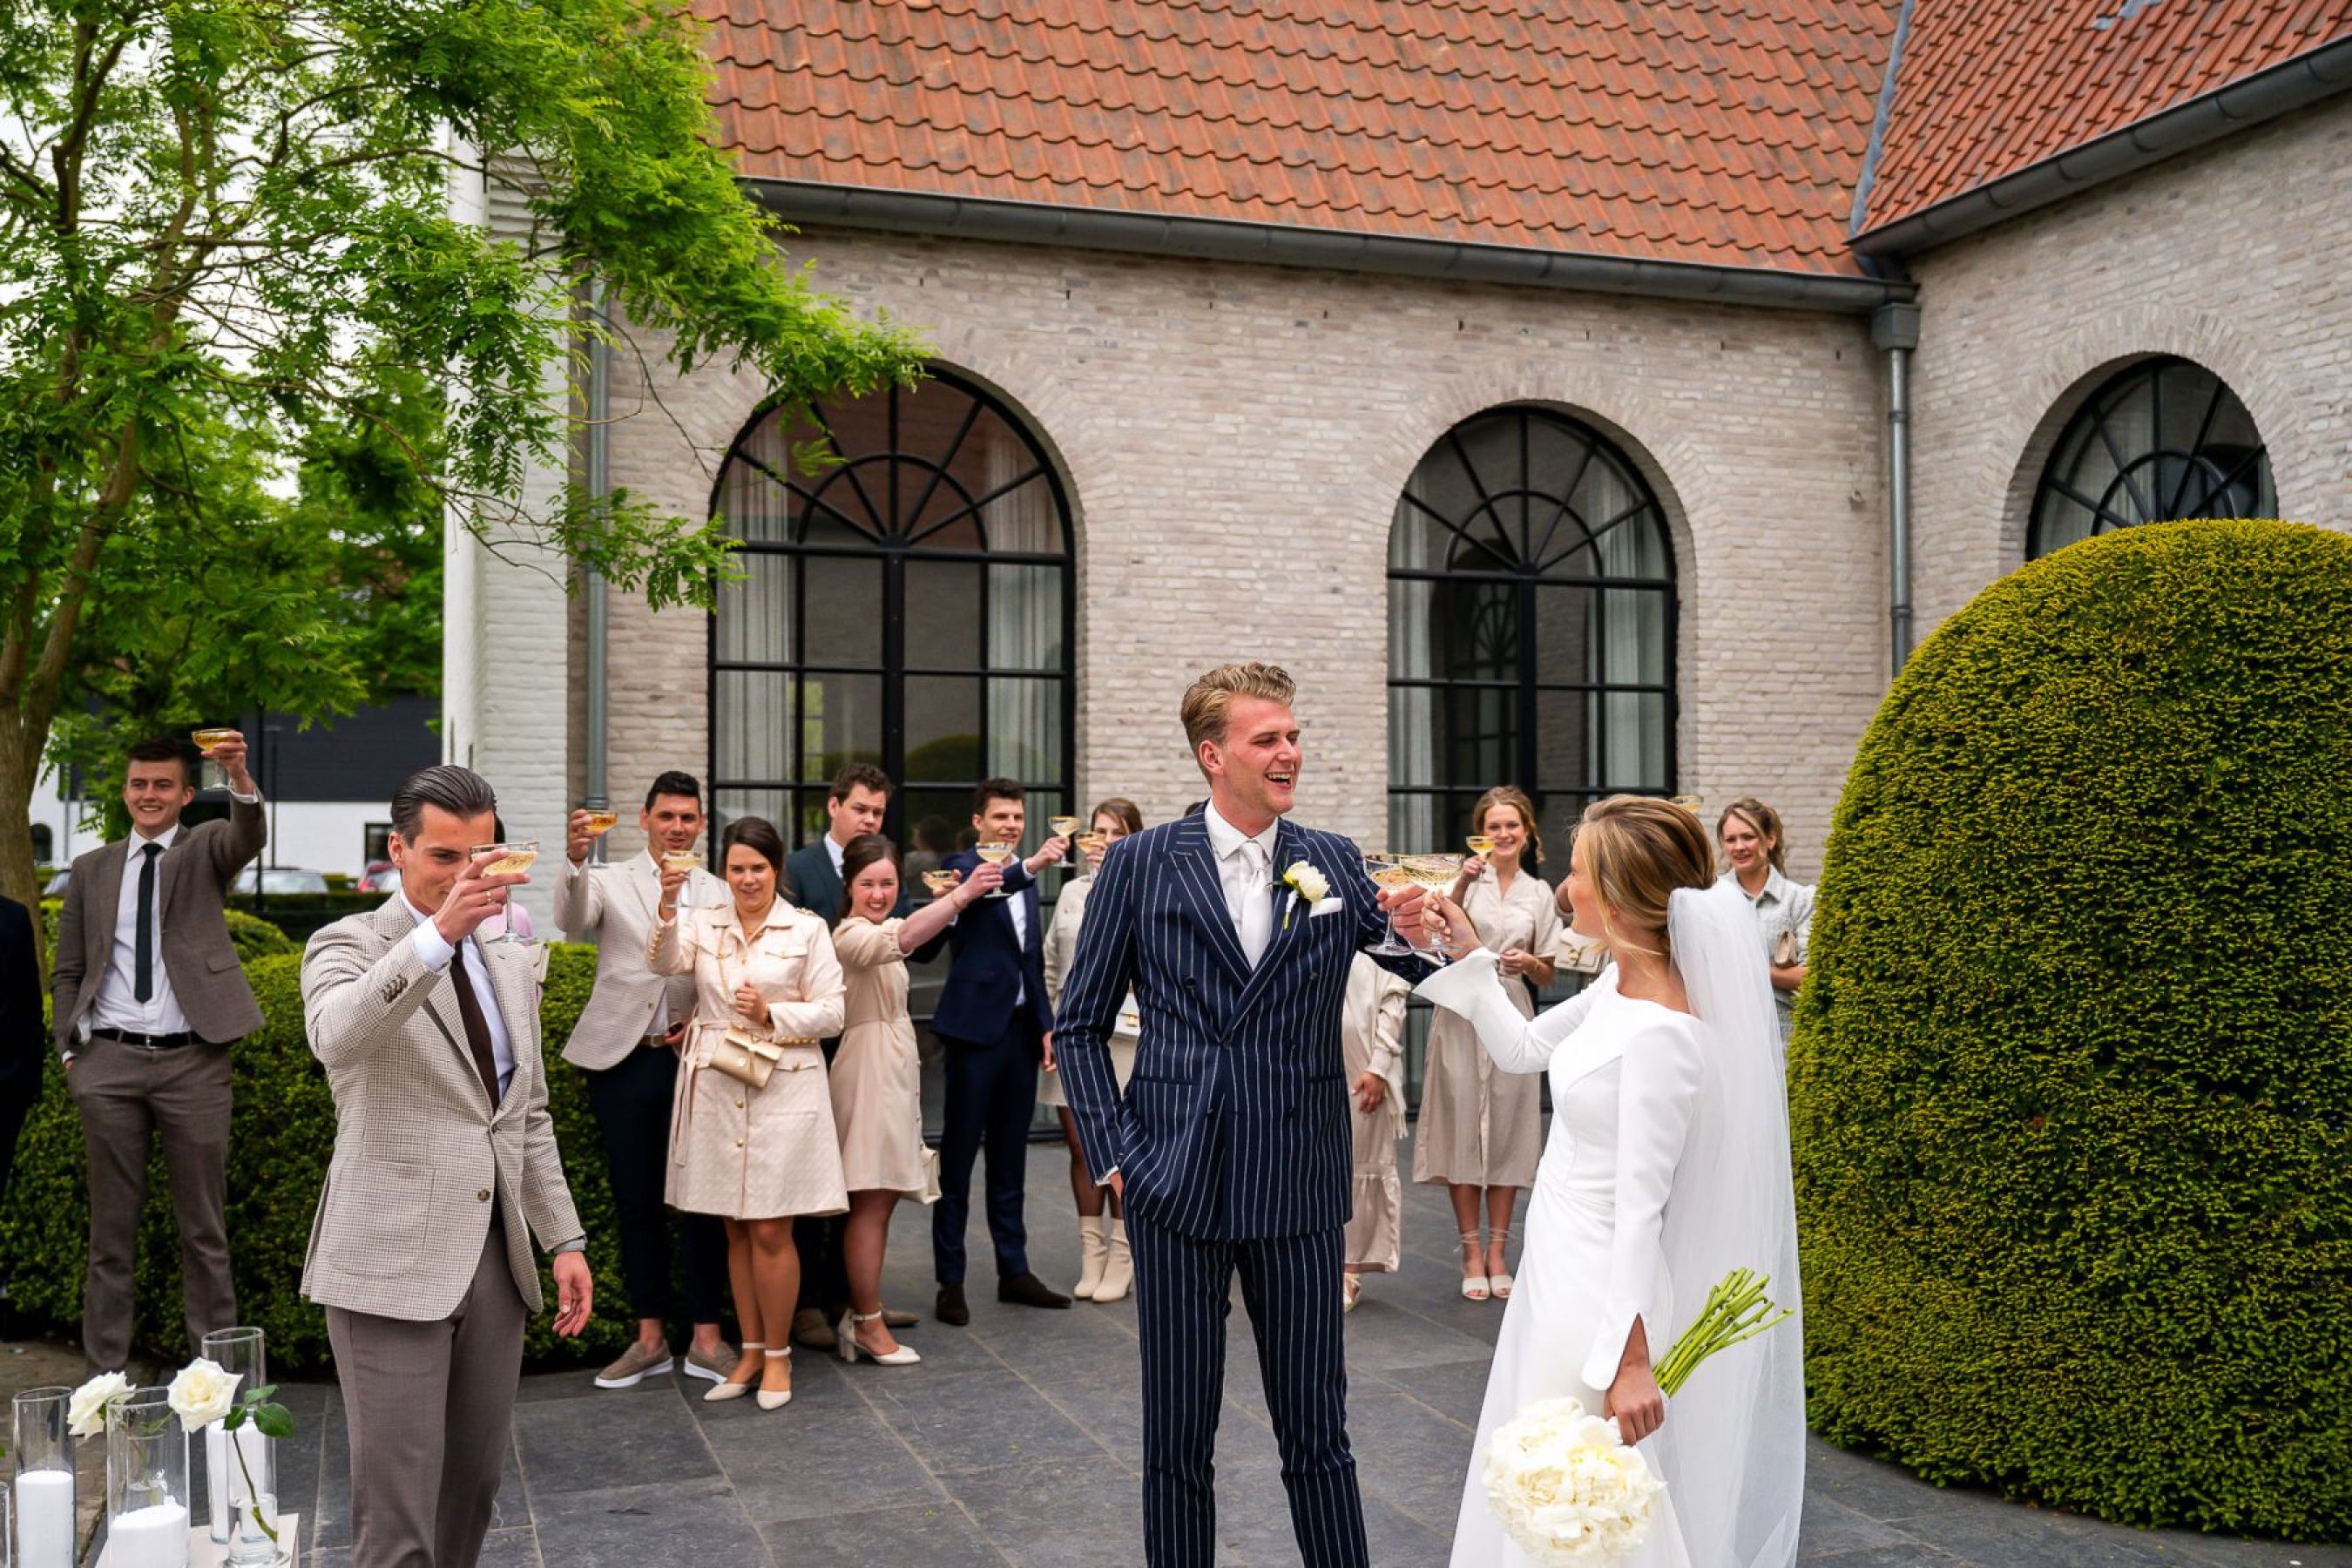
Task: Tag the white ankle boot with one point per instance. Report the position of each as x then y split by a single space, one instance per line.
1119 1269
1094 1252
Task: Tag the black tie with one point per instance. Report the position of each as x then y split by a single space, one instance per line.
142 974
478 1027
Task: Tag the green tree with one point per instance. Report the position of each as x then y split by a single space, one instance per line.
230 262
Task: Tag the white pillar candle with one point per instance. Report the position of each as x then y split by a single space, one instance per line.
151 1537
45 1520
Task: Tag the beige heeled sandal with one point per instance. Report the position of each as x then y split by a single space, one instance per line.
1501 1283
851 1349
1474 1286
731 1389
774 1401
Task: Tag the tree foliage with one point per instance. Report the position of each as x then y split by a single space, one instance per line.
254 330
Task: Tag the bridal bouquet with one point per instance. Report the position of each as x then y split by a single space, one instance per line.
1566 1489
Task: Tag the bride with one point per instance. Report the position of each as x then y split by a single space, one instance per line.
1666 1167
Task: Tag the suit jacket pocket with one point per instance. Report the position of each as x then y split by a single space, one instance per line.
378 1215
221 963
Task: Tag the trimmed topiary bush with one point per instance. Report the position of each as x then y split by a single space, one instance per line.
285 1132
2072 1081
252 936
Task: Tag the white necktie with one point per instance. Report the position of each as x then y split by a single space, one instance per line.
1254 921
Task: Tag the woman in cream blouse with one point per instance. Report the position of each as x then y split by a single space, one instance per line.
1371 1038
1104 1271
878 1076
756 1157
1481 1129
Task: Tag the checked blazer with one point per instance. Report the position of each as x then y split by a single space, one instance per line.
1234 1125
421 1154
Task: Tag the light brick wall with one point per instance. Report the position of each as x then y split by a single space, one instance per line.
2232 257
1235 439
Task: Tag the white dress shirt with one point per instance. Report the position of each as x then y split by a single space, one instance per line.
1245 870
435 951
834 847
117 1007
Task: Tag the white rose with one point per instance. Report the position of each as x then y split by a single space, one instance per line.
86 1411
1311 883
203 1393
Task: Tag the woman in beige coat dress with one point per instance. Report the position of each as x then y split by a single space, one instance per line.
1371 1038
1104 1271
756 1157
878 1076
1481 1129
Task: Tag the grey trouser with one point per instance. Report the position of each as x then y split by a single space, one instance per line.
128 1095
430 1408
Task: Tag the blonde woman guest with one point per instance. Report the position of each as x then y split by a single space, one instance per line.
756 1157
1371 1037
1756 853
877 1077
1482 1129
1106 1272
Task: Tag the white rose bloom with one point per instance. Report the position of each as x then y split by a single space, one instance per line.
203 1393
86 1411
1311 883
1565 1489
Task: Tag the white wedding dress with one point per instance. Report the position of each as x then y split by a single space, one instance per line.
1666 1165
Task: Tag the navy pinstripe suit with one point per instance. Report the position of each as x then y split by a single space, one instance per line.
1233 1143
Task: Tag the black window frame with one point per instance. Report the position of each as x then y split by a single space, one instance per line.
2220 469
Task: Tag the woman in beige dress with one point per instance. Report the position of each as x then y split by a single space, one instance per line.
1104 1271
756 1157
1481 1129
1371 1037
878 1076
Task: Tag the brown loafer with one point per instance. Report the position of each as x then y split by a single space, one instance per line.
950 1309
894 1319
1028 1290
809 1329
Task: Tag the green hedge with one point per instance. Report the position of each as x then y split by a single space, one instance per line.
254 937
2072 1081
283 1135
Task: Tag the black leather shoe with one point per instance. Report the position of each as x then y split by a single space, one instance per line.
894 1319
1028 1290
949 1308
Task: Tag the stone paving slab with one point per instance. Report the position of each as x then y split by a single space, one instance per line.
1016 1442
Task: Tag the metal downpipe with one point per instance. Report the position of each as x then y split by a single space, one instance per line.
1895 330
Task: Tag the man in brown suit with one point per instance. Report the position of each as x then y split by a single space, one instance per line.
147 996
445 1171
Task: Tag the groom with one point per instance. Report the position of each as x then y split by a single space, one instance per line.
1231 1146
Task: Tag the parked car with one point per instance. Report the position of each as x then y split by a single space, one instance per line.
276 880
57 884
381 877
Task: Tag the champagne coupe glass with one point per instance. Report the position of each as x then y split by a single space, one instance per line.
513 859
1389 874
996 852
601 819
941 883
1481 844
1690 803
1065 826
1093 846
215 776
684 861
1437 873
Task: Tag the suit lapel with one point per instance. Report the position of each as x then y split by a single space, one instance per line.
1278 939
512 984
397 923
105 908
1196 874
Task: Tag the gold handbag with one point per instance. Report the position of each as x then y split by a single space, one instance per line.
746 1057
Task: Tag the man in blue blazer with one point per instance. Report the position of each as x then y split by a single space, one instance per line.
1235 931
997 1025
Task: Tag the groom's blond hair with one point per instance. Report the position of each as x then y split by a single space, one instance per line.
1209 701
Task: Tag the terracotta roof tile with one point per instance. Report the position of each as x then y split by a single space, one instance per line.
1987 87
1723 132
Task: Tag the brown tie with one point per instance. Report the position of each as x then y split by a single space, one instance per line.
478 1027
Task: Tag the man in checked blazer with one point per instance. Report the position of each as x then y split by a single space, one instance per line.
445 1171
1232 1143
147 996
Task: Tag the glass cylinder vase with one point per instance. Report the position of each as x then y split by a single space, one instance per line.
146 1482
240 1472
44 1489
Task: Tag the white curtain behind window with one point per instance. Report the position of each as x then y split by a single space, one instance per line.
1024 614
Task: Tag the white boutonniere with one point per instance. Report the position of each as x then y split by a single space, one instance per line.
1303 882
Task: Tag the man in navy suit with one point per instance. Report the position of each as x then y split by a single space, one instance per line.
998 1027
1235 931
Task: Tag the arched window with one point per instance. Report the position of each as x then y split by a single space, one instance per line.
1531 628
907 604
2163 439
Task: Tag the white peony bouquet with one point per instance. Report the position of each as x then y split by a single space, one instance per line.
1565 1489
